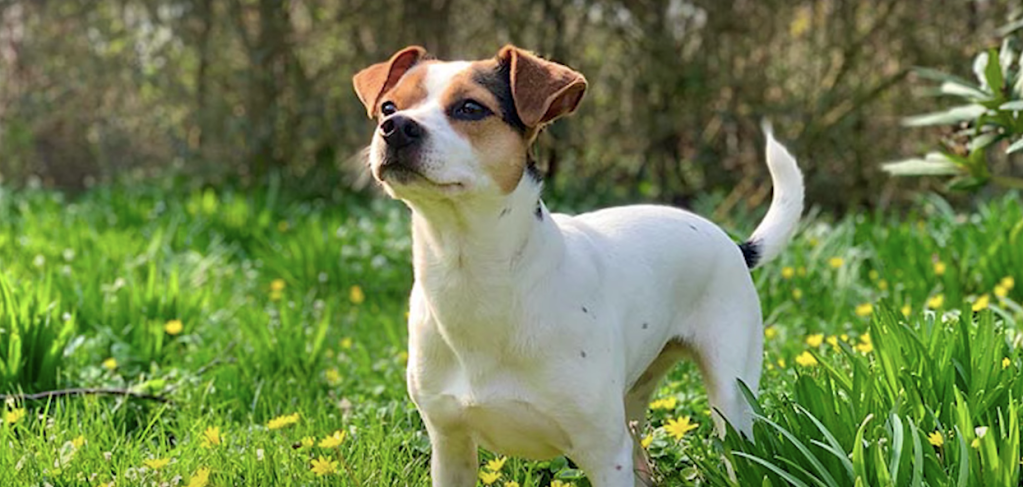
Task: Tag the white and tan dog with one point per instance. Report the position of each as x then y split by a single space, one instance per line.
536 334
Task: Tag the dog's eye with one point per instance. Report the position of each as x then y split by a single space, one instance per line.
470 110
388 108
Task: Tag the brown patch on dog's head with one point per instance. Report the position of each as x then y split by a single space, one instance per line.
373 82
497 135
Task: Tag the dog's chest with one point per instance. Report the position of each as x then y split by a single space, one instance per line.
500 412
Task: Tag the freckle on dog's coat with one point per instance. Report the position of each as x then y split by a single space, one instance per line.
536 334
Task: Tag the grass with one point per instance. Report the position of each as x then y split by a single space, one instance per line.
243 308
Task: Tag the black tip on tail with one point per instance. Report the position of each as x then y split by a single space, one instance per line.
750 252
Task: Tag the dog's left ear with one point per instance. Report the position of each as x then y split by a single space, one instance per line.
374 81
543 90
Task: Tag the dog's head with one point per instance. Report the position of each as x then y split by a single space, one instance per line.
455 128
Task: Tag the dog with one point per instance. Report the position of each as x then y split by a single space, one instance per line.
535 334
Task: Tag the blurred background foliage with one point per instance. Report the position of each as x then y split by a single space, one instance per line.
234 91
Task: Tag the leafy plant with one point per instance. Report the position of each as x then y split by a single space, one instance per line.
990 113
33 335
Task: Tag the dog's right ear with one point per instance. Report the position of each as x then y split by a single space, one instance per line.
543 90
374 81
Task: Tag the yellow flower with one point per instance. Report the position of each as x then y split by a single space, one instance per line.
815 340
346 343
982 302
156 463
787 272
282 421
277 285
14 415
936 439
678 428
511 483
489 477
646 441
864 309
873 275
333 440
833 341
1001 291
906 310
882 285
1008 282
844 337
355 295
308 442
770 332
333 377
173 327
110 363
496 464
558 483
836 262
797 294
936 301
781 363
866 345
939 268
323 466
211 437
668 403
1006 362
200 479
806 359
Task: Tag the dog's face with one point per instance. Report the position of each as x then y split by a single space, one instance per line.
447 129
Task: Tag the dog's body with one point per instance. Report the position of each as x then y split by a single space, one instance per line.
538 335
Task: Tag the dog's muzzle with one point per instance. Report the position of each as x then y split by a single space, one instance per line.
403 137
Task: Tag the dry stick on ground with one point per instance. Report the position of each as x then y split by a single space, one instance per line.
99 391
82 391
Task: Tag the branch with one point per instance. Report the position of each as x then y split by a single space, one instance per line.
82 391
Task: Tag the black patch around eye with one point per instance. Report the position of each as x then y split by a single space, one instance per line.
470 110
498 82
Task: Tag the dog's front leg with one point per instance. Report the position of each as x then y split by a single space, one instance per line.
454 459
610 464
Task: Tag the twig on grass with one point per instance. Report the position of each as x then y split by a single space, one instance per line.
82 391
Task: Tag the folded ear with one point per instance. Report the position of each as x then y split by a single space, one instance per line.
374 81
543 90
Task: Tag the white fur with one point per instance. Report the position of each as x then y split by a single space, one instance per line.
530 336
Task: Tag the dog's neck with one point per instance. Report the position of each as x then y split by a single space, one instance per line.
488 240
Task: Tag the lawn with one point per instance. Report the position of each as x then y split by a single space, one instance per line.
257 338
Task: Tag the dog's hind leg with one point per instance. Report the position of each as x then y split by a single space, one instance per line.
637 400
730 348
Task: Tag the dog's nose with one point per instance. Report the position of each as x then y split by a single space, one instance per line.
400 131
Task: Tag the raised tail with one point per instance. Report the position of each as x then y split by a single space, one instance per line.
777 227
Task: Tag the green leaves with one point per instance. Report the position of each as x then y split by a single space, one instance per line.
33 335
989 113
977 413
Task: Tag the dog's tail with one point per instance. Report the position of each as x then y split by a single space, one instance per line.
774 232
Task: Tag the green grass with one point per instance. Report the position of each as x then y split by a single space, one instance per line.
298 306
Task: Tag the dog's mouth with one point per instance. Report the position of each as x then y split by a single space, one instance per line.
393 172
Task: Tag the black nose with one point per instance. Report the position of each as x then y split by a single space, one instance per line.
400 131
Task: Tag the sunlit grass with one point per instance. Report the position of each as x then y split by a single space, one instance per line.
275 329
